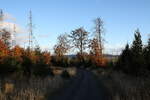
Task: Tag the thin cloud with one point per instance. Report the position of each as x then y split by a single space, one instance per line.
12 27
8 17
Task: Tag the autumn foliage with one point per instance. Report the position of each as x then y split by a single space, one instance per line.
23 61
28 61
3 50
98 61
96 55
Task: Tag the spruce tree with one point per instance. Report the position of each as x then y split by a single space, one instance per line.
137 57
137 44
124 62
146 53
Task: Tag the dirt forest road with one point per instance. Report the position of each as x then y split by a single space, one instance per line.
84 87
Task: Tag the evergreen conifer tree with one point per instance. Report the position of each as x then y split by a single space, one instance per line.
124 62
137 61
146 53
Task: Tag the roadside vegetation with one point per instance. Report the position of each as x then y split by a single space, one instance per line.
128 77
31 73
34 74
30 89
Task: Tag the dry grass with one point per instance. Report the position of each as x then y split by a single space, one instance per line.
29 89
59 70
8 88
124 87
33 88
72 71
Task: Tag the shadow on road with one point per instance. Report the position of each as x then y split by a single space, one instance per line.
84 87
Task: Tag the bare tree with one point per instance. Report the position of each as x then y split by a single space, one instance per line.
98 30
79 38
62 46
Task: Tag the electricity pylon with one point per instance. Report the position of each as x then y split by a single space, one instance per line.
30 30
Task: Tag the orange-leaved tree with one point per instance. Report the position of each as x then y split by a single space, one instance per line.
96 56
47 57
17 53
4 50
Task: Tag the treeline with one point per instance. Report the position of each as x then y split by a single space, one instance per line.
89 50
33 61
23 61
135 59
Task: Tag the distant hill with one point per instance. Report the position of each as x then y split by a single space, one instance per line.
111 57
108 56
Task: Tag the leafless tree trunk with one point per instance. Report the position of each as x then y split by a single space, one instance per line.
98 33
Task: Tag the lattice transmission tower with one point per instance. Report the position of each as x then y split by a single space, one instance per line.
32 40
30 30
1 21
1 15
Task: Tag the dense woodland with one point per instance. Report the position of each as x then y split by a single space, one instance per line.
135 59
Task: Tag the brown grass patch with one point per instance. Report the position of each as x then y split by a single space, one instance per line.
30 89
124 87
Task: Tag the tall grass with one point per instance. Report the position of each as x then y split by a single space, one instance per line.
29 89
124 87
34 88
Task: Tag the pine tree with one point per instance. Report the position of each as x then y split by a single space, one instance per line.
131 60
137 57
146 53
124 62
137 44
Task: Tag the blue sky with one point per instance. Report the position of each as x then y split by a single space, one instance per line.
54 17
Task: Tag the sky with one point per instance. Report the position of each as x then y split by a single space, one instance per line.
54 17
